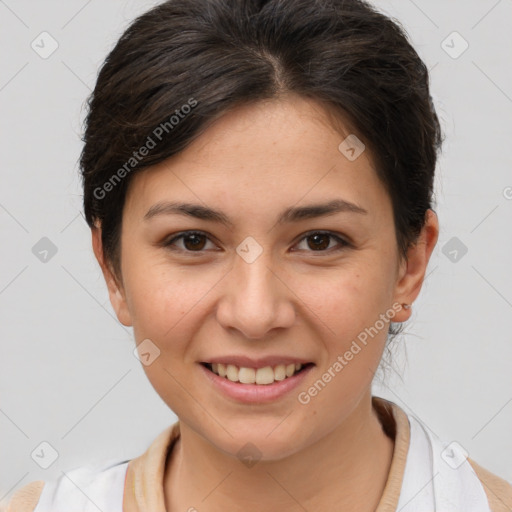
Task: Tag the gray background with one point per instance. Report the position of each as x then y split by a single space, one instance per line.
68 375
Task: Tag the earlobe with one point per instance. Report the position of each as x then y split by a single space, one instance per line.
412 276
115 290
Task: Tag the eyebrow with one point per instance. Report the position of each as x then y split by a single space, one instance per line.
292 214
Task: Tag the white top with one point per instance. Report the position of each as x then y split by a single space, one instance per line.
86 489
437 478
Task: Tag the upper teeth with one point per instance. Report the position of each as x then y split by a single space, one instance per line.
266 375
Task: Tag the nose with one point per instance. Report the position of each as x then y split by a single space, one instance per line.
255 299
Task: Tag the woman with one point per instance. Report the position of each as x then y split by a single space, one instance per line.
258 180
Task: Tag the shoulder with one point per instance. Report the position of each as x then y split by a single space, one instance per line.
104 481
498 490
26 498
102 484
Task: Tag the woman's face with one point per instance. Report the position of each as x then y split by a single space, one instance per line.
259 283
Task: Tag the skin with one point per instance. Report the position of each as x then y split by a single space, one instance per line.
251 164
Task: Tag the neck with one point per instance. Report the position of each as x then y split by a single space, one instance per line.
348 467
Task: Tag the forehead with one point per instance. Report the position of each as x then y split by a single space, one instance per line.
265 153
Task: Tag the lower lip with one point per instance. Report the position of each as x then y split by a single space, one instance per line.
255 393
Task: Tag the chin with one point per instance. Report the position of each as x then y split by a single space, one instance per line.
259 440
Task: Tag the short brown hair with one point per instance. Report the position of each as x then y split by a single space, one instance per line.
223 53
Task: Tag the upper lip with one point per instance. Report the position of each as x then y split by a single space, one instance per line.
260 362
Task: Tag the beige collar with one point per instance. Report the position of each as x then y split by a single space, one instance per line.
145 474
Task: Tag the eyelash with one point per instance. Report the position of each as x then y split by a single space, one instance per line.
343 244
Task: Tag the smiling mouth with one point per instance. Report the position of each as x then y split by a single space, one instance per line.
262 376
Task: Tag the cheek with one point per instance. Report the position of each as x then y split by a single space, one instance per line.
347 306
345 299
158 301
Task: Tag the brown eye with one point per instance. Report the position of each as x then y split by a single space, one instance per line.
192 241
321 242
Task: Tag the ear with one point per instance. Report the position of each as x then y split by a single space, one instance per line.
412 272
115 289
